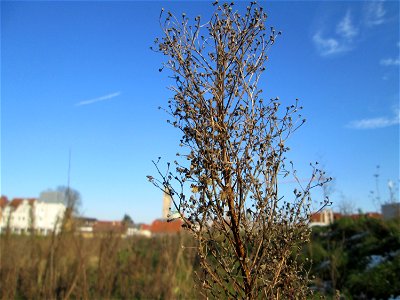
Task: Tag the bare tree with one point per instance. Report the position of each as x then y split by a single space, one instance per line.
393 191
70 197
346 206
233 154
329 187
376 195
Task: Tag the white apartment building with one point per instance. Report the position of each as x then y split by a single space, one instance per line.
27 215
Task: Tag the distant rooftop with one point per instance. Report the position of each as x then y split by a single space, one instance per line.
52 197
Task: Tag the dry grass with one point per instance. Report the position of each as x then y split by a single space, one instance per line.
68 266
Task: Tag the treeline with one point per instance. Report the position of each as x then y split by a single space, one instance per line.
356 259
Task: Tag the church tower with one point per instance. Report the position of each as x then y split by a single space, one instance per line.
167 200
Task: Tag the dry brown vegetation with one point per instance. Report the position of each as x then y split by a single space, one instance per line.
68 266
233 155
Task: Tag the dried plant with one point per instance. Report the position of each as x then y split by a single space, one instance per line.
233 154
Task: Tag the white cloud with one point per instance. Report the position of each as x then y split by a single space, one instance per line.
344 32
345 28
98 99
341 42
374 13
329 46
390 62
374 123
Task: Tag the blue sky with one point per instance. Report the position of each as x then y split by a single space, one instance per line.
80 76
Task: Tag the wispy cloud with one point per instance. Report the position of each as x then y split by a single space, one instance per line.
343 35
346 28
374 123
341 42
327 46
98 99
374 13
387 62
390 62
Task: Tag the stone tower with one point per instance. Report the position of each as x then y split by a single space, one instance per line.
167 200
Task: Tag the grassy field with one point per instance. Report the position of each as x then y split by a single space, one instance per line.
358 259
68 266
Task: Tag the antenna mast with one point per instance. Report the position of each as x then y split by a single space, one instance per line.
68 179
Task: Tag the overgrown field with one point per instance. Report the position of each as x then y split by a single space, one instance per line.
358 258
108 267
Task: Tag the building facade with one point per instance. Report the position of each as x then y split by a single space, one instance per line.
322 218
391 211
26 215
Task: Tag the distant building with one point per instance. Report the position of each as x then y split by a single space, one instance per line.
90 227
163 227
327 217
109 227
3 204
372 215
391 210
85 226
53 197
322 218
167 200
25 215
337 216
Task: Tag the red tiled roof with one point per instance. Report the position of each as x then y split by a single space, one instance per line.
17 201
368 215
3 201
31 200
161 226
374 215
316 217
337 216
145 227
